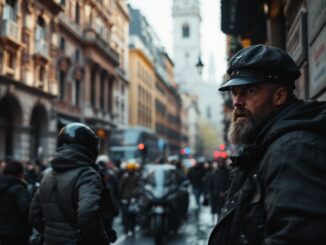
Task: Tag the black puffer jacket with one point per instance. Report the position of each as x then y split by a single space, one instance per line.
14 206
277 195
67 207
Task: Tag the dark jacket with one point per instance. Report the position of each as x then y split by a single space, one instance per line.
14 206
67 206
277 194
129 185
218 183
196 176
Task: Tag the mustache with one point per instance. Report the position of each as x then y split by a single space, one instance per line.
240 112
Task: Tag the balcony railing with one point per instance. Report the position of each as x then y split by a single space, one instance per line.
10 28
91 36
42 48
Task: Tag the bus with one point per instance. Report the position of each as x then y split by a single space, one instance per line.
137 143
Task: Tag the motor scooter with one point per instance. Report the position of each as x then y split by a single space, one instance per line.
163 200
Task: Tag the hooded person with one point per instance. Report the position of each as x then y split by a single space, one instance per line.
14 205
277 193
68 206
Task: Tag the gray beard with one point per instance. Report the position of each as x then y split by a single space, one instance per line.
244 132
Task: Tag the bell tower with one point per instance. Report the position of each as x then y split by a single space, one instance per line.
186 43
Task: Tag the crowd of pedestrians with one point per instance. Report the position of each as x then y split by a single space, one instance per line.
38 203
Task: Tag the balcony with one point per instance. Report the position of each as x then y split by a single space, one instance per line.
94 39
71 26
10 28
42 48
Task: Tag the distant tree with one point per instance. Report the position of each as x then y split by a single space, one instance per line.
210 138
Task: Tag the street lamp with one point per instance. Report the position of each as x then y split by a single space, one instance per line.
199 65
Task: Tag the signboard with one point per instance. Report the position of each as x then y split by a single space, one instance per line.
296 44
316 17
317 64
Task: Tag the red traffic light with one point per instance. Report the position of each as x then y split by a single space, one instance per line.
223 154
141 146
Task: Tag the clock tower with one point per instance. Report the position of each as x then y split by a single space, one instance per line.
186 43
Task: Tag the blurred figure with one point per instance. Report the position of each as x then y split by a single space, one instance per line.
217 186
14 206
32 177
129 188
196 176
69 207
111 186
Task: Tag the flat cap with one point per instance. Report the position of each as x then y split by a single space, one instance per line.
261 63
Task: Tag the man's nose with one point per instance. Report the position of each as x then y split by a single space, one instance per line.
238 101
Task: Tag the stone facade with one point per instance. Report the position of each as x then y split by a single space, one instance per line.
59 63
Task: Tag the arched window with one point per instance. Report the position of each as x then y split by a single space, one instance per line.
76 92
185 30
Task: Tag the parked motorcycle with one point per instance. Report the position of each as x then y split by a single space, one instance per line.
163 200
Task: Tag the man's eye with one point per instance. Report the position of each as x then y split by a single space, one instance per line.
250 91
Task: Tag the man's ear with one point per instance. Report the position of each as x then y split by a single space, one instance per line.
280 96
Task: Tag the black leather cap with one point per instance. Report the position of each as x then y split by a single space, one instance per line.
261 63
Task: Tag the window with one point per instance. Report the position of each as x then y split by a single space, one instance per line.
102 93
40 29
76 93
42 74
9 10
11 60
185 31
93 87
77 14
77 55
62 76
62 44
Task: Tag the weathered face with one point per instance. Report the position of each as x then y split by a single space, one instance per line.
253 105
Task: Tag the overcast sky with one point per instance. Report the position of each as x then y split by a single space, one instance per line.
159 15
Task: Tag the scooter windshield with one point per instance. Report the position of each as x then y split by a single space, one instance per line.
160 180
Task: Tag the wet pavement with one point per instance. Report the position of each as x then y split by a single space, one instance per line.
194 231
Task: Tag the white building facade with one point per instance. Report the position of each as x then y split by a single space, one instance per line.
187 54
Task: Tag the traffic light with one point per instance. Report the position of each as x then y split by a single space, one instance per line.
143 151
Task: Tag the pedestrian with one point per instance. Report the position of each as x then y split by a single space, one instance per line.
68 207
277 194
196 176
218 182
111 185
129 191
14 205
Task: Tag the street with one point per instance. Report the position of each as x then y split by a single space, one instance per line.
194 231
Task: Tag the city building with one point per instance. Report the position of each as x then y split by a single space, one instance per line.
154 101
28 83
120 43
60 62
88 66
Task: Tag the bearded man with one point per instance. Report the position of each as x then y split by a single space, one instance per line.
277 194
